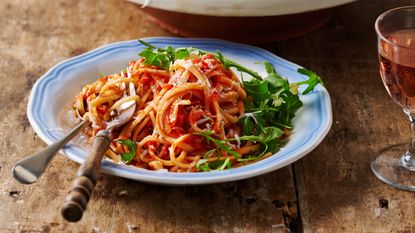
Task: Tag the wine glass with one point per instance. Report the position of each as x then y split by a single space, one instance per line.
396 46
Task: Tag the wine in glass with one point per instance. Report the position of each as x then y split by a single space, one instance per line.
396 46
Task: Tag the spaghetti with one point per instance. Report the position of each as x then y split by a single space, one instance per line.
185 116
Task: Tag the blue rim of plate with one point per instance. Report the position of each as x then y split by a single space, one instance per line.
278 160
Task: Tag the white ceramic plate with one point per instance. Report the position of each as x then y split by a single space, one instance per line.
60 84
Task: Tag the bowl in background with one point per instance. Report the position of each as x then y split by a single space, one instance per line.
255 22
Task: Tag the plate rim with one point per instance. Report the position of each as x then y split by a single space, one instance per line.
181 178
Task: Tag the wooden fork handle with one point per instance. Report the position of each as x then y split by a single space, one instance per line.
87 176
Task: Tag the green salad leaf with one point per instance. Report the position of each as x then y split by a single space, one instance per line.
268 134
217 165
312 81
258 89
229 63
132 148
162 57
221 144
271 107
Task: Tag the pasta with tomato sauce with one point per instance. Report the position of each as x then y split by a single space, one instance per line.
185 117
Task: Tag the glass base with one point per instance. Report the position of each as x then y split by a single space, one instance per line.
389 167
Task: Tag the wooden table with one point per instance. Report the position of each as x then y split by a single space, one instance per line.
330 190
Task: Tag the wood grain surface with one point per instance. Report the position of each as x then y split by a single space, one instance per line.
336 189
330 190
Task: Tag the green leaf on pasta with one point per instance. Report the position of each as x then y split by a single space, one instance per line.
132 148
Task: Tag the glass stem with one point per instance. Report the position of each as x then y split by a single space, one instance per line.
408 159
